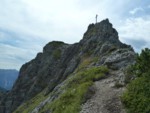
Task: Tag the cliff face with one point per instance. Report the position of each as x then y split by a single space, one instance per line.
59 60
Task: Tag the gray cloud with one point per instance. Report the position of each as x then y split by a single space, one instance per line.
136 44
16 49
27 25
136 10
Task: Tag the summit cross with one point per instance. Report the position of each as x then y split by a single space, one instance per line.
96 17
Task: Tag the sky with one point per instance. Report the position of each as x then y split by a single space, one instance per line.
27 25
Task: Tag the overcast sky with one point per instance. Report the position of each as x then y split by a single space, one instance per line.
27 25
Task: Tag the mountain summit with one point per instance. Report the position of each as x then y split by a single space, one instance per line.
45 79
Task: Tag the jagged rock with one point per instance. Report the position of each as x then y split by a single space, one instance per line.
58 60
120 58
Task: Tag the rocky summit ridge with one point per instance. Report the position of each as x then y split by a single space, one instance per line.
44 76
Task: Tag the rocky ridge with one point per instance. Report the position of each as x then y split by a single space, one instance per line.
51 68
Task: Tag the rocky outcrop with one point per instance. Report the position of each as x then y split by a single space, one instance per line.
58 60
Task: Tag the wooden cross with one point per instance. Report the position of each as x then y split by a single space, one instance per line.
96 17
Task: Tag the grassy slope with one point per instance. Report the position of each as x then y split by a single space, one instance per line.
75 90
31 104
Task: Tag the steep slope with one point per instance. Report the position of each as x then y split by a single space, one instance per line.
44 79
8 78
2 92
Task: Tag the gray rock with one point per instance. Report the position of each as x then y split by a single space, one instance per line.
120 58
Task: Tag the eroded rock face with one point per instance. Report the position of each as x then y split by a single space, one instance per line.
120 58
58 60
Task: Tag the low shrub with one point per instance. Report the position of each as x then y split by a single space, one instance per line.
57 54
137 97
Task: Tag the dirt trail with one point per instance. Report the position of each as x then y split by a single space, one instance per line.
106 98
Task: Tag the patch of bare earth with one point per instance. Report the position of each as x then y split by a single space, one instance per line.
106 98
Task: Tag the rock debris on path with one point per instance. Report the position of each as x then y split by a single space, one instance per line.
106 98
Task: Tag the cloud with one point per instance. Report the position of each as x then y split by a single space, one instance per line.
136 30
47 20
16 50
136 10
136 44
44 19
27 25
15 58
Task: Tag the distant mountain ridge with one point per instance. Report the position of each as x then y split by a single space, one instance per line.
7 78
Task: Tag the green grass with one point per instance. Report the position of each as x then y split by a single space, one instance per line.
31 104
77 87
74 91
137 97
85 63
56 43
70 101
57 54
